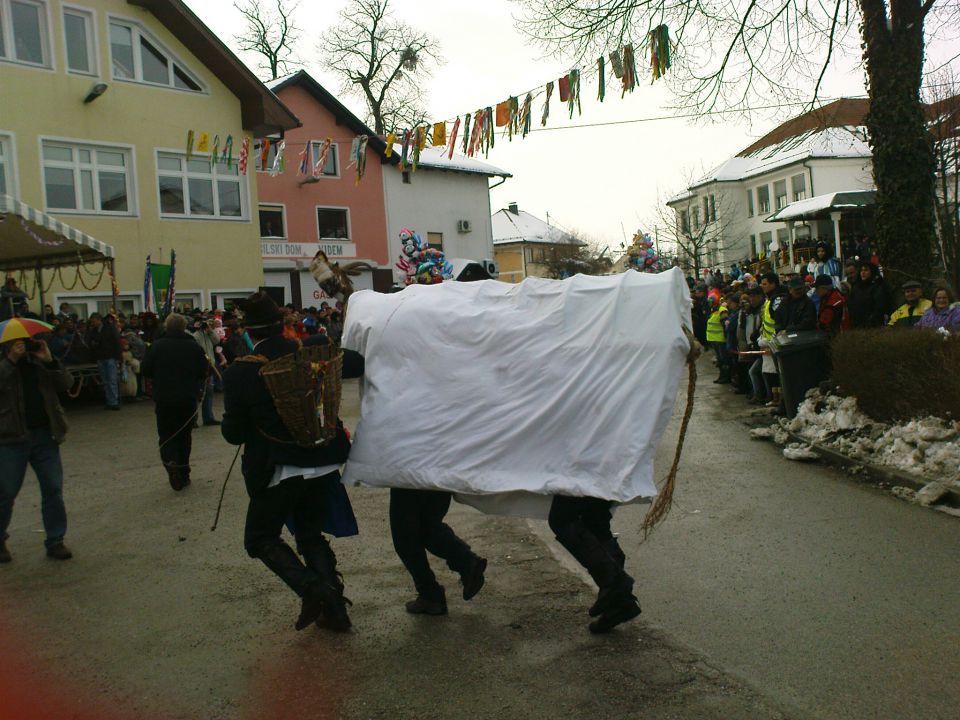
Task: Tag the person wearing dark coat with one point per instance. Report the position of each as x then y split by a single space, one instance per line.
797 311
869 300
178 368
103 340
284 480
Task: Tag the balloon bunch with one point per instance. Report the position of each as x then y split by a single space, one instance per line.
641 256
421 263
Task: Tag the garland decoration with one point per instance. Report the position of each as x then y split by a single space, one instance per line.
573 98
525 116
453 138
391 139
659 52
546 105
244 156
189 144
601 74
629 70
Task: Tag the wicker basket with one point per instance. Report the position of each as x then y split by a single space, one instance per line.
305 387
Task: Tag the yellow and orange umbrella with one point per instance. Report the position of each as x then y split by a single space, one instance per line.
19 328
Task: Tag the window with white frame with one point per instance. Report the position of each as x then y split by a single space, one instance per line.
271 221
24 36
780 193
713 208
331 167
88 178
766 238
783 238
139 57
332 224
763 198
199 188
798 183
79 38
6 166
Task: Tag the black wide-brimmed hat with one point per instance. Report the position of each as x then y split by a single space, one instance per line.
259 310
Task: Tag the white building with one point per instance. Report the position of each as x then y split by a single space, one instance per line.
447 202
818 153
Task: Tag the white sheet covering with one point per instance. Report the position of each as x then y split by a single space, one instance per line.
546 387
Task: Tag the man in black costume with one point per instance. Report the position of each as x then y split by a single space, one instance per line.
283 479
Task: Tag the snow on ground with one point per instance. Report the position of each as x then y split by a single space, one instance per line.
926 447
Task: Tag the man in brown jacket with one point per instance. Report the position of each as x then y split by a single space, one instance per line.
32 426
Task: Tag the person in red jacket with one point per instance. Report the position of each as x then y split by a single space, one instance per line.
833 316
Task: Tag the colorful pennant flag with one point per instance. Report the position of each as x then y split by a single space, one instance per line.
304 161
359 149
573 92
244 156
214 150
659 51
148 305
466 133
629 70
169 303
277 168
453 138
525 114
391 139
264 153
189 144
227 156
439 134
602 76
203 145
546 105
322 155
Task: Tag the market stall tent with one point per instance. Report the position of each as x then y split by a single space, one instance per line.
831 205
32 241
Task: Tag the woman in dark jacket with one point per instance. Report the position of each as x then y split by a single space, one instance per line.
869 299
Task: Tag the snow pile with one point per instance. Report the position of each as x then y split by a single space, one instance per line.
926 447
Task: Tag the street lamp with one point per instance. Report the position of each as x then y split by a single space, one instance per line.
95 92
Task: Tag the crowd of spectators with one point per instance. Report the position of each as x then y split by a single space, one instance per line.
116 344
737 314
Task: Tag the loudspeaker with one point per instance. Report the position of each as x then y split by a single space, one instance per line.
277 294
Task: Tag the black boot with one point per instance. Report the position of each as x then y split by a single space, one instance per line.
473 579
314 591
625 608
173 476
613 548
613 582
430 601
323 562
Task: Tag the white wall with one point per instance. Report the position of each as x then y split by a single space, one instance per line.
434 201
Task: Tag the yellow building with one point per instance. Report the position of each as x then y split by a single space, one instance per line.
97 98
525 246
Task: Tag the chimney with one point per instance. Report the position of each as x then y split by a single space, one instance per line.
514 208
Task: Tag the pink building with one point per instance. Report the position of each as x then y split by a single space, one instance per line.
324 208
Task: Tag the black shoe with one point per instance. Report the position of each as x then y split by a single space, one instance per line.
174 476
59 552
311 608
5 555
425 606
611 596
211 422
473 579
625 610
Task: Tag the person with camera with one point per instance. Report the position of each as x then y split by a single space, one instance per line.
32 426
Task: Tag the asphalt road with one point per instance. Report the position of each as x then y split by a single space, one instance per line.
834 597
772 591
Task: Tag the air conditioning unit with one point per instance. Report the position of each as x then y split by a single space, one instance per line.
464 226
491 267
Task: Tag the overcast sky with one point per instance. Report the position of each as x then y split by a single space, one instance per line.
597 180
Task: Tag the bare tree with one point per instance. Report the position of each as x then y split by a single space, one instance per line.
383 61
944 112
562 261
700 235
270 33
744 53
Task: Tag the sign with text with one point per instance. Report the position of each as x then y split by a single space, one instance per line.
280 250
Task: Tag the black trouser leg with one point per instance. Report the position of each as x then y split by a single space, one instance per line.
438 537
406 531
567 515
174 431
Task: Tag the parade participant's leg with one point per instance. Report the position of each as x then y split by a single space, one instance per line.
168 423
13 468
45 461
308 513
440 539
615 586
596 517
406 530
265 516
184 440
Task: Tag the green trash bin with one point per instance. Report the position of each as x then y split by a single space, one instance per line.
802 362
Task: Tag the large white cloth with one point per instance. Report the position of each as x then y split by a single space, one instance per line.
547 387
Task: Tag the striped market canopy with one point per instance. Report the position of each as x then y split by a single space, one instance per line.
31 239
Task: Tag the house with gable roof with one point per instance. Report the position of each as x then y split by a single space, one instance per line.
99 99
525 244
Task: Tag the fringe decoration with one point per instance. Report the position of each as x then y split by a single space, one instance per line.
664 500
419 142
466 133
660 60
453 138
546 105
360 156
391 140
322 154
573 99
277 168
629 70
601 74
616 64
304 163
405 150
525 115
244 156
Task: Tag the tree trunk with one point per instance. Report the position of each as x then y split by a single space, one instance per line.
903 156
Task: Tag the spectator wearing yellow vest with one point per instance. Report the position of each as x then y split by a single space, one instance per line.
909 314
716 336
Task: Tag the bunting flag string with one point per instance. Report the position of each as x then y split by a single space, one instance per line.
659 39
453 138
404 150
264 153
629 70
203 144
617 64
278 160
227 156
304 165
488 125
419 143
546 105
525 115
602 87
514 124
573 91
391 140
440 134
244 156
323 154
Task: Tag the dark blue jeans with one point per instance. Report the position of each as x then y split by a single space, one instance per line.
43 455
109 378
206 409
